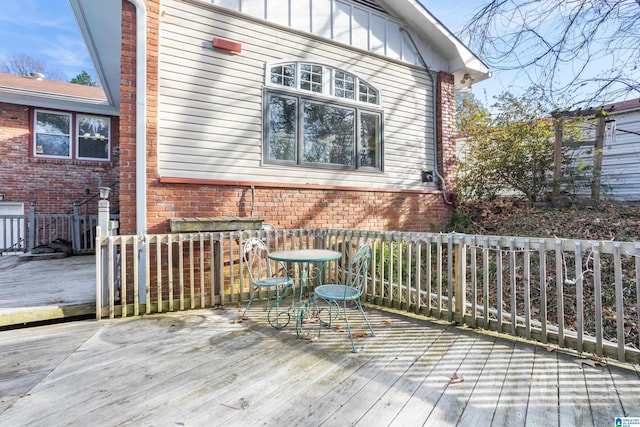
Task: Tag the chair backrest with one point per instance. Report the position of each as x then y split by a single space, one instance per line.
359 268
256 259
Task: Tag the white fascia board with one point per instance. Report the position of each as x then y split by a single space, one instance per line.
58 102
459 58
100 23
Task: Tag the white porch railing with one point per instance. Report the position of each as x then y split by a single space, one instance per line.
558 291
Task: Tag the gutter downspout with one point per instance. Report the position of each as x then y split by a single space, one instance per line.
141 116
434 83
141 142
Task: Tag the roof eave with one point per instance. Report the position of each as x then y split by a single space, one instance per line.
56 101
461 60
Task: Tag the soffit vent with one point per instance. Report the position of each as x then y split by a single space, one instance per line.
371 4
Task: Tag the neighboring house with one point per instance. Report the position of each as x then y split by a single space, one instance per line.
58 144
319 113
620 178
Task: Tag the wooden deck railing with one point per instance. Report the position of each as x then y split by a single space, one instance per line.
22 233
581 295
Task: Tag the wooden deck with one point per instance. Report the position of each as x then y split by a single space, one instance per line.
203 368
34 289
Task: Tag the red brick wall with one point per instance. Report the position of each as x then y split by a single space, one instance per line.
281 207
53 184
287 208
446 126
128 120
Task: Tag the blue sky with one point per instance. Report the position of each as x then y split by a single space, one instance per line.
47 30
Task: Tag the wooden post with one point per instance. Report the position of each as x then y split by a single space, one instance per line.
557 157
597 158
32 225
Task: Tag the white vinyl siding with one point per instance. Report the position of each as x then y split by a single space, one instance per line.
620 157
362 24
211 102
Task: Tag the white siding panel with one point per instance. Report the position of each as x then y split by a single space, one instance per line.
321 15
301 15
621 156
394 40
278 12
360 29
342 22
378 34
230 4
254 8
620 159
210 102
408 53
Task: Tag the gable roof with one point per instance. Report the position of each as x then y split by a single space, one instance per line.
39 92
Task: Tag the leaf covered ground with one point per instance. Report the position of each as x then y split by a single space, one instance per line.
504 217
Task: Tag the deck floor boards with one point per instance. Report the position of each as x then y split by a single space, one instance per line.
33 290
201 367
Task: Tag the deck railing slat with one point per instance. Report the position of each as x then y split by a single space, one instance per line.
123 274
542 253
512 283
560 291
170 256
499 287
617 265
579 296
526 288
597 282
158 241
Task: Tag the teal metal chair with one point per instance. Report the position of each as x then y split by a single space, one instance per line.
337 295
259 267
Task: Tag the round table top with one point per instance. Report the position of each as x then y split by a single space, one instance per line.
305 255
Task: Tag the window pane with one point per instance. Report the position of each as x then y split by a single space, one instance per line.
328 134
282 128
284 75
368 94
311 78
369 140
54 124
344 85
53 134
93 137
52 145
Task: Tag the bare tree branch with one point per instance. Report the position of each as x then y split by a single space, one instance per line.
24 65
574 51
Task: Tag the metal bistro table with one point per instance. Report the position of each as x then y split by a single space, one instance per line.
310 263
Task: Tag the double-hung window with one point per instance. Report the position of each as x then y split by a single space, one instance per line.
72 136
321 116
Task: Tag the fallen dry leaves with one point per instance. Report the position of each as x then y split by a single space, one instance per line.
455 378
357 335
594 361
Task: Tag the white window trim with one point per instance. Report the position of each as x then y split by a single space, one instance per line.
74 147
77 139
328 82
35 134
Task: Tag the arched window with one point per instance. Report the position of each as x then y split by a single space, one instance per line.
316 115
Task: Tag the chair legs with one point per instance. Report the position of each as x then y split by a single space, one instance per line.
346 319
276 317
